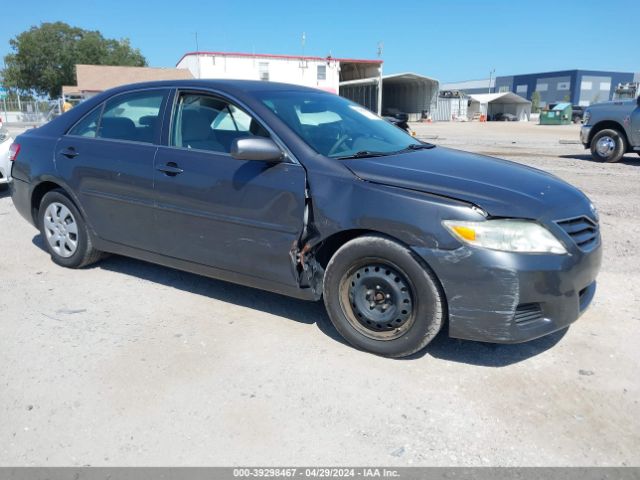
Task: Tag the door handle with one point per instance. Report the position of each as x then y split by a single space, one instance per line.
171 169
69 152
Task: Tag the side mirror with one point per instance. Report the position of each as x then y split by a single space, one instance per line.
256 148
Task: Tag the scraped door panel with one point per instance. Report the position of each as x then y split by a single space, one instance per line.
235 215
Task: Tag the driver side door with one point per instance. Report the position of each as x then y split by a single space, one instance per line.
236 215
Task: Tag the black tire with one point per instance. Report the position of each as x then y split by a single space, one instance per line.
617 146
421 307
84 253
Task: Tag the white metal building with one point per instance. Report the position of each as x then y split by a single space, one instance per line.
493 103
451 106
318 72
356 79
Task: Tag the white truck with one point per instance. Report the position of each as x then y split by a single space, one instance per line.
612 129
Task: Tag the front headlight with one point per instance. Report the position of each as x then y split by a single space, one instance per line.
586 116
506 235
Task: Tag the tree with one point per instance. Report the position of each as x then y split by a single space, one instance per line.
43 58
535 102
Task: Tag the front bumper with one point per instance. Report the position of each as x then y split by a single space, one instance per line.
5 164
5 175
585 130
504 297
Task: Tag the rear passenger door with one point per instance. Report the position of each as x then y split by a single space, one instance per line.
107 159
235 215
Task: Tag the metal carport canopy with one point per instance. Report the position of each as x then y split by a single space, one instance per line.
409 92
504 102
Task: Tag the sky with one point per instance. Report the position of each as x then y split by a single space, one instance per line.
447 40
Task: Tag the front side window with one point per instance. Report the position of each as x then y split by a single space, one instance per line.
204 122
334 126
134 116
232 118
88 126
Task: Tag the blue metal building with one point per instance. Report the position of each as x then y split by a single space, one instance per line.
580 87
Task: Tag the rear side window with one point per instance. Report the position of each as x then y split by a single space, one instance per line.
134 117
88 126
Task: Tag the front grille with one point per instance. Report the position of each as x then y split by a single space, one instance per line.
582 230
527 313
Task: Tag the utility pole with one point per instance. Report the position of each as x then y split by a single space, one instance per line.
380 51
197 54
490 77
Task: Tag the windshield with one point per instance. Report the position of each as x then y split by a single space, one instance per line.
334 126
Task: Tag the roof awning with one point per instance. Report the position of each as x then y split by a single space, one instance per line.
409 78
395 79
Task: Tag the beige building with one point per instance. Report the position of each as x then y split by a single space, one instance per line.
93 79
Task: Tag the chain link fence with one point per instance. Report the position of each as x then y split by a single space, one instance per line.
30 112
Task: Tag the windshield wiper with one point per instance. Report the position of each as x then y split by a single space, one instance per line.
420 146
364 154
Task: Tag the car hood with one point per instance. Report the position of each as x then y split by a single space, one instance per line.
500 187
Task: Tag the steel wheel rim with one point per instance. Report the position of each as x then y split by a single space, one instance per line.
61 229
605 146
378 299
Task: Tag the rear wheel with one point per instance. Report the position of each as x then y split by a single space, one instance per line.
381 298
65 232
608 146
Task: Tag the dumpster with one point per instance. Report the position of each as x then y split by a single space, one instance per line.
559 114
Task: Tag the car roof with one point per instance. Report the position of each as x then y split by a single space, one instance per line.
227 84
242 89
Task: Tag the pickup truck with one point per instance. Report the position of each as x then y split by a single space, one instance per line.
611 129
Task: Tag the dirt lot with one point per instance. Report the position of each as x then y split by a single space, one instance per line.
128 363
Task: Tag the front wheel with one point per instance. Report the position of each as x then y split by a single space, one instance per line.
381 299
608 146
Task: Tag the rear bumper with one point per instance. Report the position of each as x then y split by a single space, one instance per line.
21 196
503 297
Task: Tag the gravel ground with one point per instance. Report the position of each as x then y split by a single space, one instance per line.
129 363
